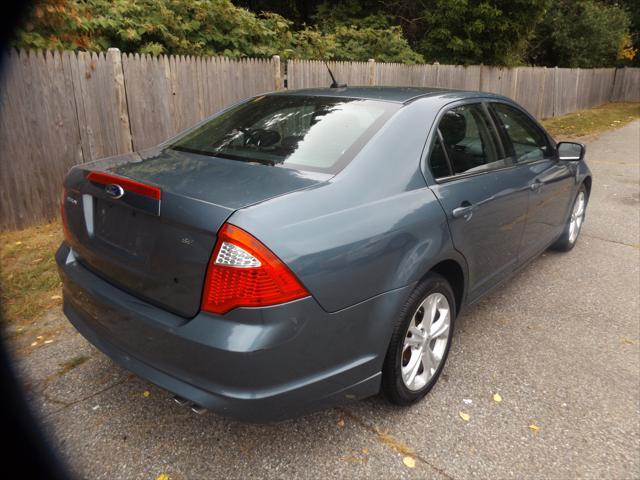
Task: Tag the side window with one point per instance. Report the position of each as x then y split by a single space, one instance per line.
438 161
468 143
528 141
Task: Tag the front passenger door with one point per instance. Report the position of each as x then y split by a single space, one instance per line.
484 201
551 181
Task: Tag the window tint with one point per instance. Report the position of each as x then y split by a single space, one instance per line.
469 143
438 161
307 133
529 142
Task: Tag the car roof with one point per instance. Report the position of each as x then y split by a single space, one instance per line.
389 94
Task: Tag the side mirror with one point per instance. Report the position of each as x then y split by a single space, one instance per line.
571 151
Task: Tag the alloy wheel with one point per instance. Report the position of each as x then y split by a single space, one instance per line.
425 341
577 216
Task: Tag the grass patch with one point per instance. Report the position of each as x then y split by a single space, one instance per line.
29 283
592 121
71 364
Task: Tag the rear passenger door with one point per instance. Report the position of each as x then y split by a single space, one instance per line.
550 181
485 202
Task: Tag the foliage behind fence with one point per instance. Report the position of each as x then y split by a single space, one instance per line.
59 109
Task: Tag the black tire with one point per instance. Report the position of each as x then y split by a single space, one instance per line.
393 385
565 242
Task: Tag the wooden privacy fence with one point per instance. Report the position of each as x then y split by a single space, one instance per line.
545 92
59 109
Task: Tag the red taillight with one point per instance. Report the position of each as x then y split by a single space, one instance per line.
243 272
126 183
63 215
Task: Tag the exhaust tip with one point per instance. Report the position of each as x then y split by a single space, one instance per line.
180 401
198 409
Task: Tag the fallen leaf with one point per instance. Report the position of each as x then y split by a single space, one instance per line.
96 407
48 341
146 393
341 423
56 297
18 243
40 337
534 427
365 451
497 397
409 462
33 344
464 416
162 476
352 459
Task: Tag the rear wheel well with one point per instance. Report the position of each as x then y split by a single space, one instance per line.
452 272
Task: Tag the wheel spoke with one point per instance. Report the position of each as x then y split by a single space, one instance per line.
432 303
413 341
429 361
413 367
416 333
441 327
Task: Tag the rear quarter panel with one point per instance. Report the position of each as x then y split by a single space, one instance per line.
372 228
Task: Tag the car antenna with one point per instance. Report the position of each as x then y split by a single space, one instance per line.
334 84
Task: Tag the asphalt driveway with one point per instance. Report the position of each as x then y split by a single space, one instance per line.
559 343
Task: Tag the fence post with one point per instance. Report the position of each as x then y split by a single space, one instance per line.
612 92
514 83
277 76
372 71
114 58
578 89
555 91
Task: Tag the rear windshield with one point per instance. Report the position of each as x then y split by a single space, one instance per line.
302 132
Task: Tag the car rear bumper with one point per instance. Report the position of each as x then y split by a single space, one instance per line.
257 364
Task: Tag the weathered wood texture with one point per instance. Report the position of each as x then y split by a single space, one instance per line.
545 92
59 109
168 94
627 85
39 135
313 73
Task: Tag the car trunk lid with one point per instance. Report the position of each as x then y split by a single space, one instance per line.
148 225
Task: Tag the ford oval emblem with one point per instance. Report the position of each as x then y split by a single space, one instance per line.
114 191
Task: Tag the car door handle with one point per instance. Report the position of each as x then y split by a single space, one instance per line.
464 211
536 185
